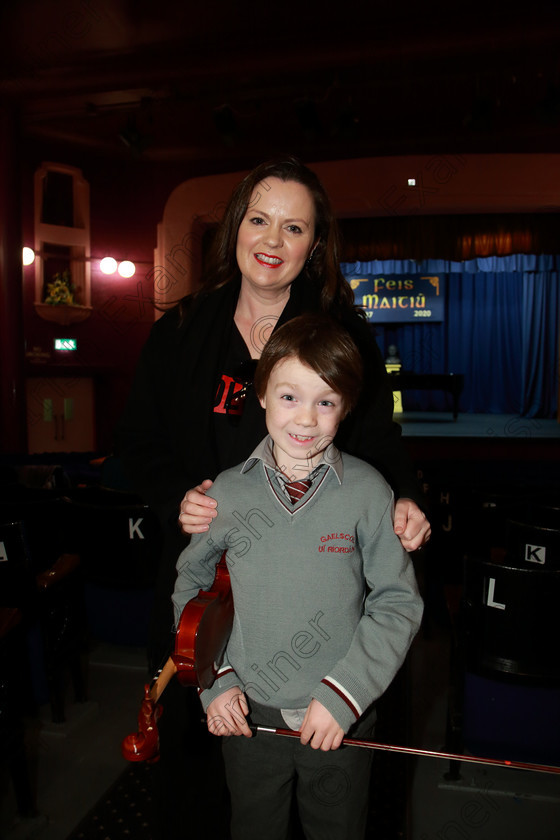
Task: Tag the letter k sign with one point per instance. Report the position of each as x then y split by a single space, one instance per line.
535 554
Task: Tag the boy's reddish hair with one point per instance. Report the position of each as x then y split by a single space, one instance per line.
323 345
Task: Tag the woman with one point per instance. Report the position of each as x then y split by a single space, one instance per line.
305 249
192 411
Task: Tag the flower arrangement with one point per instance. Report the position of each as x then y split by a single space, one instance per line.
61 291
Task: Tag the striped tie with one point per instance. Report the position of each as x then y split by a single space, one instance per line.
296 489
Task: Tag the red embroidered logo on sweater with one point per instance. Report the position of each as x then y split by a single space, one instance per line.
347 546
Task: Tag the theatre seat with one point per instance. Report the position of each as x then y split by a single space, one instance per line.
43 580
16 589
119 542
505 670
16 579
12 698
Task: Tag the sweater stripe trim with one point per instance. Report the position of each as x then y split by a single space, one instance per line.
225 669
300 505
344 695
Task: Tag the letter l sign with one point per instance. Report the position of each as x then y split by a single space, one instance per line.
490 602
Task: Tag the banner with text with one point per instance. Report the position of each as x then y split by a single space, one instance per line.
391 298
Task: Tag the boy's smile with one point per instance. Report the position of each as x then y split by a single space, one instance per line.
302 416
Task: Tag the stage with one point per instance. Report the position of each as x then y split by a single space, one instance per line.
430 424
499 452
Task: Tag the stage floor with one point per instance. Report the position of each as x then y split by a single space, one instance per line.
429 424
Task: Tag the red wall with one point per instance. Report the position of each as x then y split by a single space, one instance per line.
126 201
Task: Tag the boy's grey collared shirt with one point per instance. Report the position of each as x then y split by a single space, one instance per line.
330 459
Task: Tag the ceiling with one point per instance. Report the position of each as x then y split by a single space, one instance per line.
218 85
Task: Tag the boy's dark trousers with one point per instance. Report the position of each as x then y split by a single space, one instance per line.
265 771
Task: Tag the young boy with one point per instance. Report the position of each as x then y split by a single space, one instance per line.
326 602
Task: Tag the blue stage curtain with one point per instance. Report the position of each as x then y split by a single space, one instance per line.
541 313
500 331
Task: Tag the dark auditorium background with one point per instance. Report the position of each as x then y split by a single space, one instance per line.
123 128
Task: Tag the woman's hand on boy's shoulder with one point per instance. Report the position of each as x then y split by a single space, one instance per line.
411 526
319 729
197 509
226 715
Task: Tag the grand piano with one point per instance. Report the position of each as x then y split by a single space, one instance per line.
452 383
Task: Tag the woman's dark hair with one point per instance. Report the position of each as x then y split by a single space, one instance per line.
322 270
323 345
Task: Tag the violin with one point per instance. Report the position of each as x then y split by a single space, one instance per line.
200 642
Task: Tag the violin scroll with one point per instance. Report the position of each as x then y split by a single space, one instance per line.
143 745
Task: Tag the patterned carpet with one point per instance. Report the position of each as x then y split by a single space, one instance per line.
127 811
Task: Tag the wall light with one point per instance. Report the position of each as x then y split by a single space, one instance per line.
108 265
28 256
127 268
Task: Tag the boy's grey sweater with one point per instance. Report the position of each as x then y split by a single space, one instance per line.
326 602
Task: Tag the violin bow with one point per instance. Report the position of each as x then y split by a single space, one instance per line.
374 745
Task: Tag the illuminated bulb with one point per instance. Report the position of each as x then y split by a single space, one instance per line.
412 182
108 265
127 268
28 256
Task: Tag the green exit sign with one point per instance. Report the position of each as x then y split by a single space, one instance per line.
65 344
